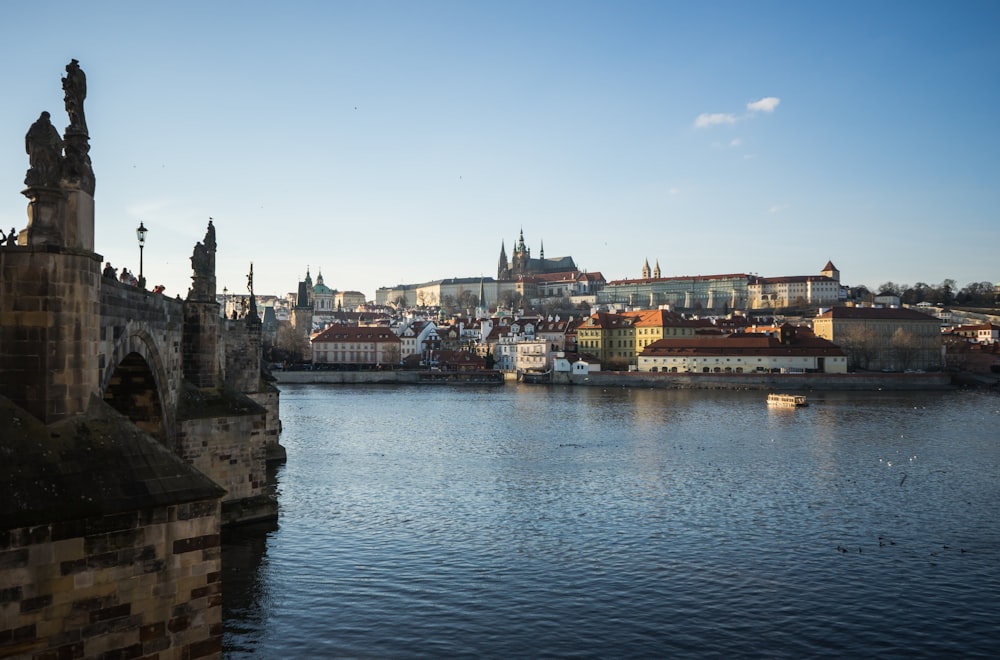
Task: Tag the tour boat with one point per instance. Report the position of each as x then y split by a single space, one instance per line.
787 400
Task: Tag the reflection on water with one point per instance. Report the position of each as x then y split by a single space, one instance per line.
519 521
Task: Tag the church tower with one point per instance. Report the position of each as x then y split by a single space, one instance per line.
656 270
503 268
645 270
482 309
522 254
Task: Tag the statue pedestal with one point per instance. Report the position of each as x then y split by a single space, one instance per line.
46 213
79 216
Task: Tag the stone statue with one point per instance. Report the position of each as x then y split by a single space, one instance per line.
44 147
203 264
201 261
75 88
252 316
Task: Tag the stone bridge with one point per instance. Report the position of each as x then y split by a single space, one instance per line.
132 427
69 335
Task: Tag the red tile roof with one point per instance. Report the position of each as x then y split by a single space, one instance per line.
752 344
345 333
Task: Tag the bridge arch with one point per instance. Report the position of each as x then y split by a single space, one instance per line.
135 382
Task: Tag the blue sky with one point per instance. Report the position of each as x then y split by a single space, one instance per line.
389 142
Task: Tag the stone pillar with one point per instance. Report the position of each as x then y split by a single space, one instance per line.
201 343
49 329
242 355
201 317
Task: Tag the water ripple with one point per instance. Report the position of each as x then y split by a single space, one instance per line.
428 523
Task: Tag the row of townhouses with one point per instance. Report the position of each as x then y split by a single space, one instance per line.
836 341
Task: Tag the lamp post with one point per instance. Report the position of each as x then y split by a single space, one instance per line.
225 302
140 233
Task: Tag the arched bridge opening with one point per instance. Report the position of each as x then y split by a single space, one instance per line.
132 391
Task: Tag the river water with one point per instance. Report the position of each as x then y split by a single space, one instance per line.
520 521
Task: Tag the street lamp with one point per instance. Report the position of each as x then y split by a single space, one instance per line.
225 302
140 233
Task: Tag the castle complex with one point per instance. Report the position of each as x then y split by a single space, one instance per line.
522 265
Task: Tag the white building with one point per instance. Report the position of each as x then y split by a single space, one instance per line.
416 337
533 354
796 290
743 353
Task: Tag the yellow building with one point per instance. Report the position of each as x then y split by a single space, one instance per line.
608 337
654 324
877 339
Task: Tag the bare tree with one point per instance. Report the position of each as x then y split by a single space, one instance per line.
467 299
861 346
905 348
391 354
292 344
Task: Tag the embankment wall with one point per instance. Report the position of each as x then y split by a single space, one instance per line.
777 382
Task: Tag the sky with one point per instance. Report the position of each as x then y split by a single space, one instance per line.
381 143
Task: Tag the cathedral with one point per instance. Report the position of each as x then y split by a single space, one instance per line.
521 264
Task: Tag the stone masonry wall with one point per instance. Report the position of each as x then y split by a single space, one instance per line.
49 320
136 584
200 349
242 355
231 451
269 398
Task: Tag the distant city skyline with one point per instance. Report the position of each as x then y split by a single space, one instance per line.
383 143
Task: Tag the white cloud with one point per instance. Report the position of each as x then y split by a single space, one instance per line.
777 208
736 142
766 104
707 119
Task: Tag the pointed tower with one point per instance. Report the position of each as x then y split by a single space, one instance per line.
645 270
656 270
541 250
829 270
519 263
503 268
482 309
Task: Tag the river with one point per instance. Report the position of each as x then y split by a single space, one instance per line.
520 521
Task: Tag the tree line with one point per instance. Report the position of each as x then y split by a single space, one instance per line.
973 294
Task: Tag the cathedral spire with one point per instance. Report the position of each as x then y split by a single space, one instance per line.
656 270
645 270
503 268
541 250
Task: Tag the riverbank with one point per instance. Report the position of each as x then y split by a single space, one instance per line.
770 382
390 377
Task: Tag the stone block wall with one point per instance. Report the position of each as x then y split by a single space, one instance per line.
201 340
143 583
231 451
49 328
269 398
242 355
